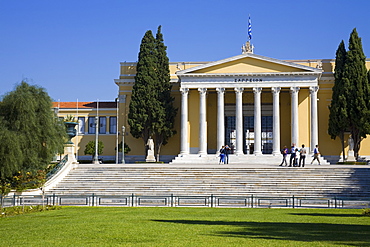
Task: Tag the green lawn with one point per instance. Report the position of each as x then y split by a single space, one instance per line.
100 226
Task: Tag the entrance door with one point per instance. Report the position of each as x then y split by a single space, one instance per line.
248 127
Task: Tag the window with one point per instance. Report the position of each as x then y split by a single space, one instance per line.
81 125
113 125
91 125
102 125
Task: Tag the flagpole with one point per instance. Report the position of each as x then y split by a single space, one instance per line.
78 131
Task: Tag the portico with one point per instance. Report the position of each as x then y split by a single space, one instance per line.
253 86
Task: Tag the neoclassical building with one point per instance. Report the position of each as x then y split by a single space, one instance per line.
253 103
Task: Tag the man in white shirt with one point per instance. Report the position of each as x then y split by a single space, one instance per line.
302 156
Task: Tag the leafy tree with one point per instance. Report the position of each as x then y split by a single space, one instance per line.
90 148
30 133
166 113
358 101
127 148
338 117
143 100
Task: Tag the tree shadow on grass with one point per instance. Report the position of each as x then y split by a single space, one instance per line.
329 215
341 234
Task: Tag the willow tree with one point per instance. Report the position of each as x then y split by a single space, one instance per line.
358 101
338 117
30 133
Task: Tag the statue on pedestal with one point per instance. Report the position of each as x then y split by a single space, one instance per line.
150 156
351 153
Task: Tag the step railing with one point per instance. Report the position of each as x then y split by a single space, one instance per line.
57 168
133 200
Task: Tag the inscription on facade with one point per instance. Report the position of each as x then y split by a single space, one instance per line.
247 80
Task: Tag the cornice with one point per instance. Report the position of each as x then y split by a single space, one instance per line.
249 74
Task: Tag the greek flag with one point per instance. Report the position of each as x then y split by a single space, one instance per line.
249 28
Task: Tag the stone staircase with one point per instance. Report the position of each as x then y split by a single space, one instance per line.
219 180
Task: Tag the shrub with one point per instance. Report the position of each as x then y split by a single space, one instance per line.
366 212
17 210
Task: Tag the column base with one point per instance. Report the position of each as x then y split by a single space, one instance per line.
275 153
202 154
257 153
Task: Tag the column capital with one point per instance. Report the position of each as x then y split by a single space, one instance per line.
184 90
314 89
276 90
257 90
220 90
294 89
239 89
202 90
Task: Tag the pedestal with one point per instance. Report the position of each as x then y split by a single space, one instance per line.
150 157
69 150
351 156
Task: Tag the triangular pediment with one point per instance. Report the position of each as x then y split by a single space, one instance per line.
247 64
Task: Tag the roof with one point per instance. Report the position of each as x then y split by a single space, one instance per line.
84 105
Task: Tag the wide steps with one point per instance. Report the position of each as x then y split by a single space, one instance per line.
159 180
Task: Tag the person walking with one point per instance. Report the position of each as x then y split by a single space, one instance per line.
293 155
222 155
227 150
302 156
316 154
284 152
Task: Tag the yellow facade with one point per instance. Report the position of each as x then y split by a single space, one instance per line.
225 73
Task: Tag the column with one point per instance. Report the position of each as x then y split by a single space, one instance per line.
314 119
220 118
257 121
202 122
294 115
239 121
276 121
184 145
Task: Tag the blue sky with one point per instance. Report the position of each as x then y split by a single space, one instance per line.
73 48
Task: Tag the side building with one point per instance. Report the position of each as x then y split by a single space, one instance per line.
253 103
85 113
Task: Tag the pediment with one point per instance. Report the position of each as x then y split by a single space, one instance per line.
247 64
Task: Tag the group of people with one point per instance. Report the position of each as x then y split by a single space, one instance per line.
294 161
224 155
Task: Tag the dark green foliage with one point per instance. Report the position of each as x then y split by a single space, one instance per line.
127 148
90 148
358 101
165 118
338 117
30 133
143 102
151 111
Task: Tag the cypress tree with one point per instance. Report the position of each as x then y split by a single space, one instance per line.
30 133
338 117
151 110
358 106
166 113
143 100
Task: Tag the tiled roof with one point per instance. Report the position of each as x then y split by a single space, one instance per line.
84 105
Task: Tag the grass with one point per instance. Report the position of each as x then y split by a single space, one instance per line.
99 226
